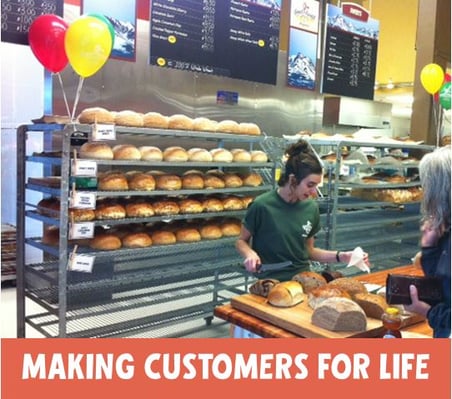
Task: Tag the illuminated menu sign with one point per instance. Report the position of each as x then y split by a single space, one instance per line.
350 52
234 38
17 16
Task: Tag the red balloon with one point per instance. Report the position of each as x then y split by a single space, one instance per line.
46 38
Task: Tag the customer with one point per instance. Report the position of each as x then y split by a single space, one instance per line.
280 225
435 175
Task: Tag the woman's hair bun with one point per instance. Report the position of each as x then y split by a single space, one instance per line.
297 148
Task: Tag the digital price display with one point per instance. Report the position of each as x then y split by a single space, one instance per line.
350 52
17 16
234 38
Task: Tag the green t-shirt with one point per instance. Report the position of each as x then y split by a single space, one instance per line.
279 232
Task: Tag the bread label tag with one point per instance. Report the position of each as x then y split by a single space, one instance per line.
84 168
81 263
81 230
82 200
103 132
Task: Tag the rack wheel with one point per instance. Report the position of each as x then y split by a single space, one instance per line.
208 320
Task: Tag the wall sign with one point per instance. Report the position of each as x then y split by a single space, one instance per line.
234 38
17 16
350 58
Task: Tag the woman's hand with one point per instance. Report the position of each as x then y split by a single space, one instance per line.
252 262
417 306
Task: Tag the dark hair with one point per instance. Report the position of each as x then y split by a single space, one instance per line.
301 162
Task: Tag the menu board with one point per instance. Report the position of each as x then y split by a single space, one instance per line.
350 58
234 38
17 16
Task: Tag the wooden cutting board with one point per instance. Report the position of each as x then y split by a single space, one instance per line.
297 319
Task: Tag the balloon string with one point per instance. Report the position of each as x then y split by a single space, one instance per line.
64 95
77 96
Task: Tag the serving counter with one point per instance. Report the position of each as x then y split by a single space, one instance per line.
268 330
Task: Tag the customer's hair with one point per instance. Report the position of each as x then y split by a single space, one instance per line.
301 162
435 175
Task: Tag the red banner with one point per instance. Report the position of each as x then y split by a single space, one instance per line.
225 368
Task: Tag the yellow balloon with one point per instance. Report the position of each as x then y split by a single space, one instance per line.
432 78
88 45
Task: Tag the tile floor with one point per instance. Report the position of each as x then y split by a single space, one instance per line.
196 329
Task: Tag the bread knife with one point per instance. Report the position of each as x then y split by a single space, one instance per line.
267 267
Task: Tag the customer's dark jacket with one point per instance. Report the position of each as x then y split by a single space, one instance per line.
436 261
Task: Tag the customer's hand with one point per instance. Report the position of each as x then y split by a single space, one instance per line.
417 306
429 236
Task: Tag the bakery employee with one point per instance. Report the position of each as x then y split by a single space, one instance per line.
280 225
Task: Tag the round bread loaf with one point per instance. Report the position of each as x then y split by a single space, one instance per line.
210 231
96 150
233 203
163 237
155 120
113 182
105 242
249 128
150 153
51 236
221 155
240 155
175 154
109 210
247 200
136 240
129 118
231 180
374 305
188 234
262 287
199 155
252 179
189 205
258 156
211 181
330 275
168 182
180 122
49 207
350 285
339 314
286 294
230 228
204 124
228 126
212 205
141 182
81 215
309 280
139 210
317 295
96 115
126 151
166 207
192 181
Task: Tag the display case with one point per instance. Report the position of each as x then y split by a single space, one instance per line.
370 197
149 291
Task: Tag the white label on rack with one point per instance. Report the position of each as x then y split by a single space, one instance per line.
81 263
345 170
81 230
84 168
103 132
83 200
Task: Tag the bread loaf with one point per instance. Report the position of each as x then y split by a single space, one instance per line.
49 207
252 179
150 153
339 314
180 122
81 215
230 228
204 124
126 151
249 128
155 120
192 181
233 203
350 285
258 156
164 207
309 280
232 180
210 231
168 182
96 150
212 205
51 236
113 182
373 305
262 287
190 206
175 154
286 294
188 234
163 237
240 155
96 115
139 210
137 240
105 242
141 182
318 295
109 210
228 126
199 155
221 155
129 118
247 200
212 181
